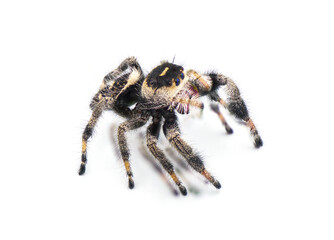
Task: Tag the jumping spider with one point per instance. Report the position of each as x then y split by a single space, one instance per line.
167 89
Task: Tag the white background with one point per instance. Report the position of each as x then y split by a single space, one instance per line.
53 57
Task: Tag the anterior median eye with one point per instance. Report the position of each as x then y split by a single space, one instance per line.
177 82
182 76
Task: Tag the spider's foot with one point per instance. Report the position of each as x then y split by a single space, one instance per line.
258 141
183 190
217 184
82 169
131 183
228 129
211 179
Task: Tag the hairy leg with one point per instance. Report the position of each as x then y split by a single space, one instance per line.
205 84
215 108
237 107
209 83
120 87
136 122
172 132
146 154
152 138
97 112
117 91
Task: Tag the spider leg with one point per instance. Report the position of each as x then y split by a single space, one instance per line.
237 107
120 87
172 133
97 112
209 83
138 120
215 108
204 84
117 92
157 166
152 137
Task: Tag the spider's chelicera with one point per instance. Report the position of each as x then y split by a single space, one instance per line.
167 89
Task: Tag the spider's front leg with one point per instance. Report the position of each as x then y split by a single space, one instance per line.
139 119
172 133
205 85
209 83
236 106
152 138
97 112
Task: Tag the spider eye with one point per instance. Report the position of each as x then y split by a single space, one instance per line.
177 82
182 76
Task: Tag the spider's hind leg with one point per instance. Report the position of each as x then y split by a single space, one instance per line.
152 137
172 132
117 92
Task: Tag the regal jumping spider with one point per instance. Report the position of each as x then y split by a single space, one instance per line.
167 89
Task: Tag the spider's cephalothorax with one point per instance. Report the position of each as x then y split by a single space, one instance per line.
165 89
168 86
